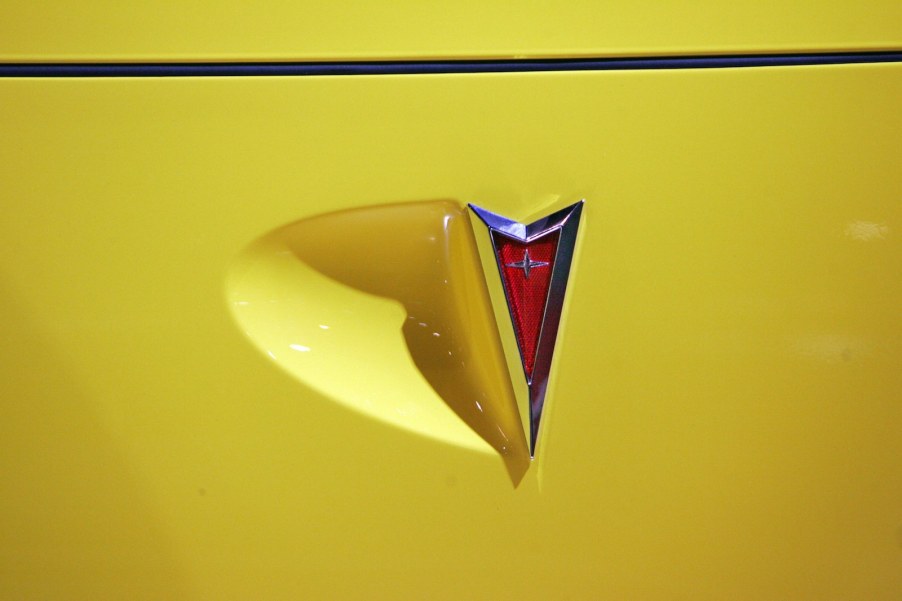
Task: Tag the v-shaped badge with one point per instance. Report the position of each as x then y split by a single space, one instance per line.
533 263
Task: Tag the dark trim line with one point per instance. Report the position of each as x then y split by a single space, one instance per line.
269 69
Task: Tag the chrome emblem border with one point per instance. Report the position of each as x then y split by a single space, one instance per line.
567 222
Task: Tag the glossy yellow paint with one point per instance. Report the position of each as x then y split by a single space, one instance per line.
187 30
321 298
724 418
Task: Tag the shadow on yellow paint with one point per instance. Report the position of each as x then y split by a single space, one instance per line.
421 255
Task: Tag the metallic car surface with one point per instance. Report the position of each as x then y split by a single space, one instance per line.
202 30
211 386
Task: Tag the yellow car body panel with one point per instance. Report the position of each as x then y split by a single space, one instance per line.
289 30
724 419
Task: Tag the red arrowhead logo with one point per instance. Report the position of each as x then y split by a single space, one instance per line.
534 266
526 269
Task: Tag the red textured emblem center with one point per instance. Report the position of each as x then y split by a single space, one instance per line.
526 274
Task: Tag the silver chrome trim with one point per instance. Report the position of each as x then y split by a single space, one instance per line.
527 264
567 220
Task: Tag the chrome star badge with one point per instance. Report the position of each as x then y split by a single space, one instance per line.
532 266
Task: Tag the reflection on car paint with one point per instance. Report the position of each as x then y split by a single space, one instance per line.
421 255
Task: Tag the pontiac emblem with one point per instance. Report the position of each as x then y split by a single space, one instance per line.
533 263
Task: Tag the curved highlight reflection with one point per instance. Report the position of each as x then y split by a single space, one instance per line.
421 255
